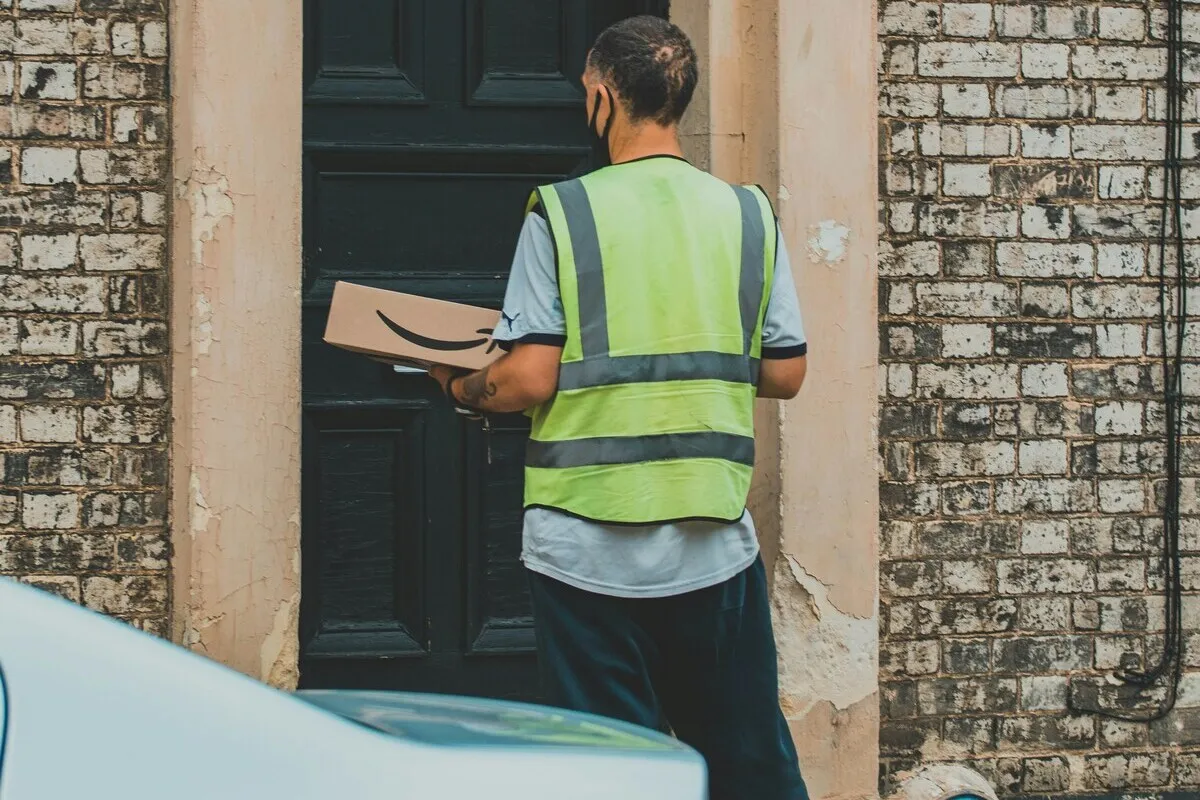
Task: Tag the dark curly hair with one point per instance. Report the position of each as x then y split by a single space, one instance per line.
652 65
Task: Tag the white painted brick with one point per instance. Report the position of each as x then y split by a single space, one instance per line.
900 380
1040 260
1057 22
1043 457
968 219
124 39
154 40
1044 537
1108 301
1014 21
966 341
49 337
47 5
41 37
968 59
1120 103
967 381
1044 380
1043 101
1119 341
966 100
121 252
902 217
1122 418
154 206
967 20
1117 142
49 165
1119 63
909 100
1046 141
1122 183
125 125
901 299
960 299
49 80
10 335
1120 260
1045 61
967 180
1044 693
8 424
49 424
126 379
57 511
53 252
917 258
7 71
901 17
1122 496
1128 24
1046 222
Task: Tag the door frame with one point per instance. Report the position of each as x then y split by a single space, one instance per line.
789 89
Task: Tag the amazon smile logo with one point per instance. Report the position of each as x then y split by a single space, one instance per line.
438 344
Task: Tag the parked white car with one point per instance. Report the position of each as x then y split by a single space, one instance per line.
90 707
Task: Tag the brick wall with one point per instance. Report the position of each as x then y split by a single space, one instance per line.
1021 434
83 297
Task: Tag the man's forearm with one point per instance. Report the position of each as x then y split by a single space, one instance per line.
505 386
479 390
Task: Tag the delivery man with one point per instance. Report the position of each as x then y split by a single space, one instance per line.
649 303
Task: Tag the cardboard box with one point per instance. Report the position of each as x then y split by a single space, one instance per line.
406 329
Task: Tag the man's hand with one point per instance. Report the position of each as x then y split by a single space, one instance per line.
524 378
443 374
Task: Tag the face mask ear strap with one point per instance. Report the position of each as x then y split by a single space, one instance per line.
612 113
595 113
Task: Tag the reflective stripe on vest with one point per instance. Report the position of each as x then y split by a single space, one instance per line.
636 435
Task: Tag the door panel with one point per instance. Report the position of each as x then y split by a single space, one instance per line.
426 125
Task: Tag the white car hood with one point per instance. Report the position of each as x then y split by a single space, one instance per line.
97 709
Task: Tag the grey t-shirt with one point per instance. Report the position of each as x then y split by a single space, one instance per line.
625 561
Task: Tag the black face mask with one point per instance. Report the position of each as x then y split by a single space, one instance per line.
601 157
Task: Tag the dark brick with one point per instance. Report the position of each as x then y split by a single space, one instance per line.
900 738
54 381
1030 182
1044 654
1043 341
966 656
907 421
943 696
966 421
1047 733
898 700
67 552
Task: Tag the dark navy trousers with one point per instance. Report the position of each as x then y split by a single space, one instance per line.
701 665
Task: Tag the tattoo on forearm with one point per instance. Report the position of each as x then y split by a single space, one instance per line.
477 389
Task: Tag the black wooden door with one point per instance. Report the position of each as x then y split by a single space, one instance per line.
426 125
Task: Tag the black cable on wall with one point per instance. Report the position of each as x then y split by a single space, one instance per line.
1173 314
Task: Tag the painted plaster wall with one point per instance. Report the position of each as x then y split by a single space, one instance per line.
790 104
236 94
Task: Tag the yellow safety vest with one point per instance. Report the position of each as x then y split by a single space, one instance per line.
664 273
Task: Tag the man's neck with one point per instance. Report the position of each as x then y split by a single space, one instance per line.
645 141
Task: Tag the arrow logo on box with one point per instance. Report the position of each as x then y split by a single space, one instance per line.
436 344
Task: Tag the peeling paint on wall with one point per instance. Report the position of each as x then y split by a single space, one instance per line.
279 653
827 242
201 513
824 653
207 193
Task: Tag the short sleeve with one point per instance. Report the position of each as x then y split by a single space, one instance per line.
783 327
533 311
